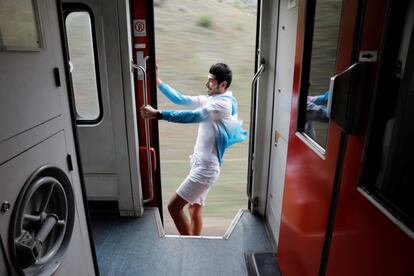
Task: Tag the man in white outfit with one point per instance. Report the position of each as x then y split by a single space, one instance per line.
219 128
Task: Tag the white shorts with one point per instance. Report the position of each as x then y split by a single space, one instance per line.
195 187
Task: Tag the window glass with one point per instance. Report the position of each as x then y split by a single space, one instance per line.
83 66
321 57
19 26
389 161
388 169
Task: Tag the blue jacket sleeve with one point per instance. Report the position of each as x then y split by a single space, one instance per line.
175 96
185 116
321 99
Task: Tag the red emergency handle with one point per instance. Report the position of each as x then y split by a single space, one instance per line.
143 159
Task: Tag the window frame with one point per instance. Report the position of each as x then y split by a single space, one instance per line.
40 34
306 63
69 8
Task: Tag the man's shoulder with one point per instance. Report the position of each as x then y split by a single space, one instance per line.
227 96
222 100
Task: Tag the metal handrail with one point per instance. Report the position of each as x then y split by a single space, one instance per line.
147 135
252 130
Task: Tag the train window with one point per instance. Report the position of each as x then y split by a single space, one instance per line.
83 66
387 174
318 66
17 34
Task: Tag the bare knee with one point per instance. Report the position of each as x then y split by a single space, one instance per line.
173 208
176 205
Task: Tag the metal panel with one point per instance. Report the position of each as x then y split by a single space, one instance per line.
102 186
41 128
20 95
97 140
29 138
130 111
284 67
15 173
3 265
110 147
268 38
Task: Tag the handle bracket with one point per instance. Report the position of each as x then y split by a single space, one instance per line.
346 98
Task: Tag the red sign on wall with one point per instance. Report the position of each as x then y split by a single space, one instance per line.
140 28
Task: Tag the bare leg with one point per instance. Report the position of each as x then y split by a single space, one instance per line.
196 219
175 207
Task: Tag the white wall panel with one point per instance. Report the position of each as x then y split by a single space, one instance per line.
285 60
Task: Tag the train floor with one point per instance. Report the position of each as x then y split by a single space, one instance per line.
138 246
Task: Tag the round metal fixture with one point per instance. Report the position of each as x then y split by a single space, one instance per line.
42 222
5 206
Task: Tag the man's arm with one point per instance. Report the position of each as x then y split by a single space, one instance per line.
184 116
174 95
320 99
178 116
215 110
178 98
316 112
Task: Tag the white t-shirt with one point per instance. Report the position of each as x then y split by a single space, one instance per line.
218 108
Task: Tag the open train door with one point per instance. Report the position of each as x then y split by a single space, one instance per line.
329 224
100 52
43 222
324 47
373 229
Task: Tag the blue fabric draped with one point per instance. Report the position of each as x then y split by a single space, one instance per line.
321 99
229 132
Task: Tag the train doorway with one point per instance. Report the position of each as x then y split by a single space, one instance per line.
204 33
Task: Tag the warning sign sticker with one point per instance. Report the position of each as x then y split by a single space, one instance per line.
140 28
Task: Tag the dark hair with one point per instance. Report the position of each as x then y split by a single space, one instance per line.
222 73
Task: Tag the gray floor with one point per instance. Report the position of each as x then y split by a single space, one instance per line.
133 246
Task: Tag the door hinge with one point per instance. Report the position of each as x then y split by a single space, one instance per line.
69 161
57 76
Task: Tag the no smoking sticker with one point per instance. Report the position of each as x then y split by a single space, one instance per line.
140 27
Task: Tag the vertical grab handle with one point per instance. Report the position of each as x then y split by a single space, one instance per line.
147 135
256 76
345 104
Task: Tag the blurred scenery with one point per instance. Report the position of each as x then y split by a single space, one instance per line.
191 36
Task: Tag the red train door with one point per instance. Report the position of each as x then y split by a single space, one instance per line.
325 42
329 224
372 233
